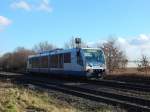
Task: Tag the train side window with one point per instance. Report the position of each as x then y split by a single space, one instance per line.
57 61
32 62
54 61
67 57
35 62
44 62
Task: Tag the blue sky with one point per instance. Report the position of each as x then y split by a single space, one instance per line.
28 22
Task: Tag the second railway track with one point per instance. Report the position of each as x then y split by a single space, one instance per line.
122 85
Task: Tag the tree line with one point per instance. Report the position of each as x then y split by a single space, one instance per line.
16 60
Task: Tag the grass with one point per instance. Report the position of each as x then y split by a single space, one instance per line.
19 99
131 72
130 75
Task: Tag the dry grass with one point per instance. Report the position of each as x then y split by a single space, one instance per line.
130 75
130 72
14 99
20 99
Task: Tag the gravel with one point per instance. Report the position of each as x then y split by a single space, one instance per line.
81 104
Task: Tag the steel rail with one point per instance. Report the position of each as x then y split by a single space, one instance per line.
128 102
123 85
106 83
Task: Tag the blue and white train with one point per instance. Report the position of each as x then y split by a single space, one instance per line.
78 62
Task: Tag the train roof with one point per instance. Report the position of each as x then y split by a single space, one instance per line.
57 51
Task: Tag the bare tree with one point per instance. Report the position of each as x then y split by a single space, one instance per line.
71 44
115 57
43 46
6 61
20 57
1 64
123 62
15 61
144 64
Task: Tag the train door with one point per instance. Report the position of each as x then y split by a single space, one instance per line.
79 58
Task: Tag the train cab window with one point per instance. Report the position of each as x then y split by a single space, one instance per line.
67 58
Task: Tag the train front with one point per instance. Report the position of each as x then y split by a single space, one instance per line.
95 62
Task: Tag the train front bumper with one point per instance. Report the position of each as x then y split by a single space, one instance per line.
95 72
95 69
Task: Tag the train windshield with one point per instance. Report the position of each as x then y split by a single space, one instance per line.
94 56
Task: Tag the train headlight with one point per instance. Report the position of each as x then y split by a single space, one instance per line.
89 65
90 70
102 65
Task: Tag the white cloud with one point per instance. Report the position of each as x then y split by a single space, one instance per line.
45 6
136 46
39 5
141 39
4 22
21 5
144 37
90 44
121 40
46 1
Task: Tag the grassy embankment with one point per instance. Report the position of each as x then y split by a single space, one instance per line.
19 99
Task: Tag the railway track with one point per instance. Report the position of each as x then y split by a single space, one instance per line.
106 83
122 85
131 103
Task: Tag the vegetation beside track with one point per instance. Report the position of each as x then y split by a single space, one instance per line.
15 98
19 99
126 77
